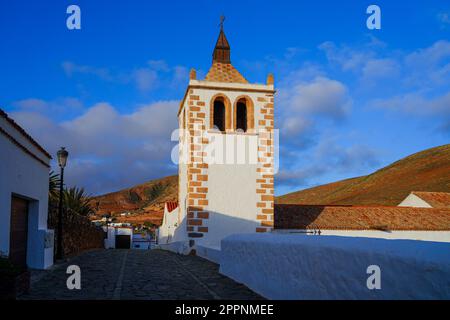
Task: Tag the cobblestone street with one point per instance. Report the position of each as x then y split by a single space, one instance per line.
138 274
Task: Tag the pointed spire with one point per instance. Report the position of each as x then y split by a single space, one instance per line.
222 49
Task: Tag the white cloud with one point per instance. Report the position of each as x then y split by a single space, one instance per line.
364 61
328 157
444 19
429 66
422 67
345 159
320 96
145 79
417 104
109 150
159 65
347 58
154 74
376 69
294 126
71 68
56 108
180 75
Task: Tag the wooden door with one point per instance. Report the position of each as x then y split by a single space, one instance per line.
19 231
123 242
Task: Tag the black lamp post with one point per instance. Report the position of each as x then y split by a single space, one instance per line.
62 160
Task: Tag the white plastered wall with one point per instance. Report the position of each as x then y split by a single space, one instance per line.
414 201
24 176
438 236
171 228
232 196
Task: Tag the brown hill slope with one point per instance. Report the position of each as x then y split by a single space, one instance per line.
144 199
428 170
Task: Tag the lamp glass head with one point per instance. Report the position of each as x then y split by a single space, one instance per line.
62 157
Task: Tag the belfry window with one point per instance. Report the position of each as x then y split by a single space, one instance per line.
241 116
244 117
219 114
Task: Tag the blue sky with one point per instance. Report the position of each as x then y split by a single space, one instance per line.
350 100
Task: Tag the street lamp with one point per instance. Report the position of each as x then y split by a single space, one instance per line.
62 160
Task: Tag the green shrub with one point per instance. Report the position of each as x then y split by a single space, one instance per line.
134 197
155 191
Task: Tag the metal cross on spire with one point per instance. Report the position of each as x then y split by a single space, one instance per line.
222 19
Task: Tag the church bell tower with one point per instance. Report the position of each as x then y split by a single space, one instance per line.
226 152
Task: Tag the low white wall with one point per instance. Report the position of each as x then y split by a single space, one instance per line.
211 254
110 241
281 266
140 245
436 236
180 247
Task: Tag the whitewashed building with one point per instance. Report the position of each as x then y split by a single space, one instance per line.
385 222
24 183
424 199
141 242
226 153
118 236
169 230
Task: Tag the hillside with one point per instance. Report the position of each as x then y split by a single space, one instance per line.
146 200
428 170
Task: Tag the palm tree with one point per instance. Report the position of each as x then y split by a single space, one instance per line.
77 201
53 187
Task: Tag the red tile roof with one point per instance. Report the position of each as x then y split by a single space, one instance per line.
4 115
289 216
224 72
434 199
171 205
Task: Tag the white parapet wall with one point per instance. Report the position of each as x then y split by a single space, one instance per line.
279 266
180 247
212 254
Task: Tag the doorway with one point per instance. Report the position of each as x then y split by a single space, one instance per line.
18 231
123 242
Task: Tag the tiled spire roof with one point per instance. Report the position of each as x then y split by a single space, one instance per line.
222 49
222 70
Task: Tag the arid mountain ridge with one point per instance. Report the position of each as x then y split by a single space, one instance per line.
428 170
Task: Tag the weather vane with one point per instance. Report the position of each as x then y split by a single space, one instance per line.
222 19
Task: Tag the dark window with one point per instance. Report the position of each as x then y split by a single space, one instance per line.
241 116
219 115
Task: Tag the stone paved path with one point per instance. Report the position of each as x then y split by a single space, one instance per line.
139 274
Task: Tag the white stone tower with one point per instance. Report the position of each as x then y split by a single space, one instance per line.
226 170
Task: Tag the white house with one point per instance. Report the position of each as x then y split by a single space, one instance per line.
24 182
141 242
118 236
427 224
226 155
424 199
172 232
